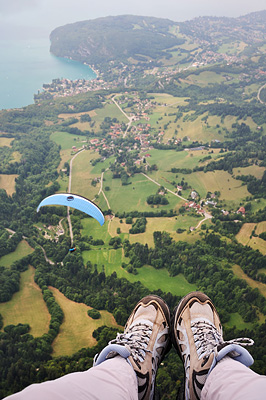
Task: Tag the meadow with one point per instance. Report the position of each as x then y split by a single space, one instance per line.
232 48
169 225
8 183
231 189
246 237
254 284
97 117
23 249
205 78
133 196
254 170
77 327
5 141
66 141
27 306
237 321
109 260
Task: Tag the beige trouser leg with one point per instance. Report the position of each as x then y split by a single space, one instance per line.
114 379
231 380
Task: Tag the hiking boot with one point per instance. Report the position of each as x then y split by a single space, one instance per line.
197 335
144 343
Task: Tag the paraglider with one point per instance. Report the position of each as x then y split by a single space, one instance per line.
73 200
78 202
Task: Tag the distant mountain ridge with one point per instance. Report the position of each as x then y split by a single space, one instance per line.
247 27
130 38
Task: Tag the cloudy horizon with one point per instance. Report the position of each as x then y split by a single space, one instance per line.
46 15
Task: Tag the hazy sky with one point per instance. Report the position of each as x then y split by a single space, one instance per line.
48 14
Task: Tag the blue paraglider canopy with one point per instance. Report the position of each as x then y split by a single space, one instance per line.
73 200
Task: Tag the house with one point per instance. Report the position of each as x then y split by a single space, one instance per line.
211 203
241 210
225 212
194 194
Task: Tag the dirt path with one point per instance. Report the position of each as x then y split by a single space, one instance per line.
101 190
206 217
123 112
69 191
168 190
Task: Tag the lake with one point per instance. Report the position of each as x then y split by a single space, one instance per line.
27 64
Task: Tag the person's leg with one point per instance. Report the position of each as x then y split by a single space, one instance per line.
198 338
146 338
232 380
125 369
114 379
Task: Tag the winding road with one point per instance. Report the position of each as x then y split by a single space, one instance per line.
258 95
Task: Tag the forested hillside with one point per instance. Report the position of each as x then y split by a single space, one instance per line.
99 41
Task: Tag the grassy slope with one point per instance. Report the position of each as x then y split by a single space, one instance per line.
27 306
22 250
256 243
77 327
254 284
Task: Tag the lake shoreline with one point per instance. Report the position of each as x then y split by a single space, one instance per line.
27 65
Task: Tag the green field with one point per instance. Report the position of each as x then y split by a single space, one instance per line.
82 175
231 189
153 279
232 48
237 321
27 306
97 117
22 250
66 140
167 159
169 100
77 327
205 78
133 196
91 227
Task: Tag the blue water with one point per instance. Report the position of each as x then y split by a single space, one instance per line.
26 64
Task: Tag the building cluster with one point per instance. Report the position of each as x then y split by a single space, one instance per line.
192 205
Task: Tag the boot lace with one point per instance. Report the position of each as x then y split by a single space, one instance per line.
207 338
136 340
